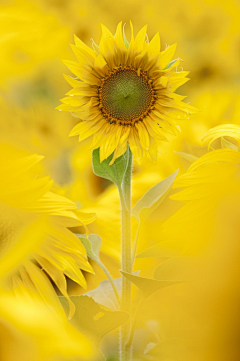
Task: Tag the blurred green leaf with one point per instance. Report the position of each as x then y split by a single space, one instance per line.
104 294
91 319
162 249
174 349
178 268
190 157
114 172
92 244
147 285
153 198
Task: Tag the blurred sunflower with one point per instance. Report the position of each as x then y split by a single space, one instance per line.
124 92
25 198
30 326
208 182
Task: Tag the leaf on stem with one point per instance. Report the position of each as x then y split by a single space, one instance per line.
178 268
147 285
104 294
115 172
153 198
92 244
93 320
174 349
162 249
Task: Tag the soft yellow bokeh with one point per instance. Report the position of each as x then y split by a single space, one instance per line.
200 219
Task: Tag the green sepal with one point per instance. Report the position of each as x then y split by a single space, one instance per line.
92 244
170 64
126 42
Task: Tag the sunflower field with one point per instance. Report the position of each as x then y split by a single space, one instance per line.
120 180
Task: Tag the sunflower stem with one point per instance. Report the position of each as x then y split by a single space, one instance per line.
134 321
111 280
135 244
125 350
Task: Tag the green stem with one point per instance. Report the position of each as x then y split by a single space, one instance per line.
107 273
125 351
134 321
135 244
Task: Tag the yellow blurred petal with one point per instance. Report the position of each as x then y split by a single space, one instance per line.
44 287
225 130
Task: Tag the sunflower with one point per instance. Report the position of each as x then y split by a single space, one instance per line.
124 93
26 320
25 199
209 181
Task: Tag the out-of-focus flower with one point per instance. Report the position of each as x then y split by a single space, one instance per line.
30 327
208 181
28 37
25 198
124 92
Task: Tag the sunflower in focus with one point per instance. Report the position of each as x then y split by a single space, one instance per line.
25 198
124 93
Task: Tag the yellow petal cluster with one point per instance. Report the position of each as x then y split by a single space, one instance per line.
25 198
32 325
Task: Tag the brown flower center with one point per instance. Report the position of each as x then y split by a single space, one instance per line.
126 96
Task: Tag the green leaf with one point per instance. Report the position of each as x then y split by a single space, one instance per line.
152 198
104 294
190 157
174 349
147 285
162 249
115 172
91 319
92 244
178 268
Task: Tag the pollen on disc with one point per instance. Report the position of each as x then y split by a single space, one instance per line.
125 95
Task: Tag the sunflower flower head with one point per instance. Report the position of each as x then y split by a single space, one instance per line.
124 93
26 200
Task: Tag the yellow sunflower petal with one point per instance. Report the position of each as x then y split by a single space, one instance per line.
166 56
143 135
225 130
90 52
140 39
119 37
154 46
106 45
44 287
